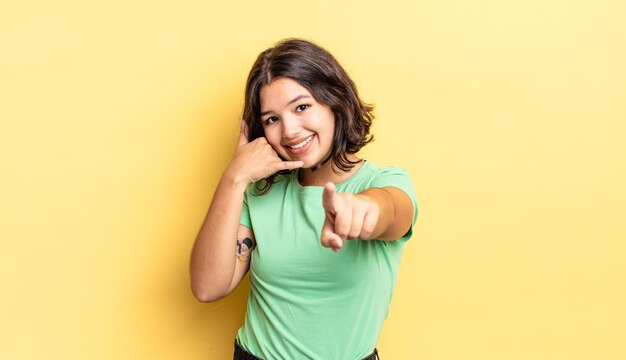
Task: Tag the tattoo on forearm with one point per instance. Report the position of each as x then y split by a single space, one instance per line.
244 247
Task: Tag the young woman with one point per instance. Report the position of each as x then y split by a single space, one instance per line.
320 229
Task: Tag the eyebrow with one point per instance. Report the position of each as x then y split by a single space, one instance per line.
303 96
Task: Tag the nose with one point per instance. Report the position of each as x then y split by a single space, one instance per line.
291 127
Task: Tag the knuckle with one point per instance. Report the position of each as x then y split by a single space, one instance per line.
367 231
342 231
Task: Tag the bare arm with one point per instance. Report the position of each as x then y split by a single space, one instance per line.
396 212
213 257
376 213
214 268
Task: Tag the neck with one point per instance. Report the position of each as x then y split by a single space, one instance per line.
327 173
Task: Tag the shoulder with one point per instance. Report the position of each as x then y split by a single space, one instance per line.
385 176
391 176
372 176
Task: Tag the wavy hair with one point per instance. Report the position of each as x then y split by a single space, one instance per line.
320 73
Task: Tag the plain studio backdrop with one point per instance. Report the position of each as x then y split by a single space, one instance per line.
118 117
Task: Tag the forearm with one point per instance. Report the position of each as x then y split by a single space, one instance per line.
212 262
394 218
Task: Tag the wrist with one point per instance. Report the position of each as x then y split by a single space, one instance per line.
234 179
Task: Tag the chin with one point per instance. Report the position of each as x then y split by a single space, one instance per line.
313 165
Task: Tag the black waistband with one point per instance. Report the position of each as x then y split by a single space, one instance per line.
241 354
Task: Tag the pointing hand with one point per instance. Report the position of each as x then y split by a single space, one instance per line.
348 216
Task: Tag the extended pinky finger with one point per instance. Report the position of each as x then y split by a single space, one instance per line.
288 165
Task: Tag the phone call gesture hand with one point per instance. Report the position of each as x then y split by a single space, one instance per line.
256 160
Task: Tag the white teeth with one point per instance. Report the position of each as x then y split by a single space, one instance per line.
306 141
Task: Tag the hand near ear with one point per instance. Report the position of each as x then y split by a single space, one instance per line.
256 160
348 216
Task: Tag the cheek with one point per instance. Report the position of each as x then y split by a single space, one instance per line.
330 123
269 134
273 138
329 130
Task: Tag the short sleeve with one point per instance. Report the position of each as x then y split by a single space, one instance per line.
244 219
397 177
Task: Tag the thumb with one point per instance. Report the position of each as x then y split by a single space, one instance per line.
243 134
328 237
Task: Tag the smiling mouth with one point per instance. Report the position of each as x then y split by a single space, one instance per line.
302 144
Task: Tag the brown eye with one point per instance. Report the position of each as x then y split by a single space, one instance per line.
302 107
271 120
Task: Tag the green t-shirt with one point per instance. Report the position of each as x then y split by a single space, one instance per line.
306 301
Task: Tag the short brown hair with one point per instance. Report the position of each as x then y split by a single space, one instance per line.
320 73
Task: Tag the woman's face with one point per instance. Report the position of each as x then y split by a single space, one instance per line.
295 124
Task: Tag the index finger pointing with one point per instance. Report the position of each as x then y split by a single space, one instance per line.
328 198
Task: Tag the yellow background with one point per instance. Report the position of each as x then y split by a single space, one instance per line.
117 118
